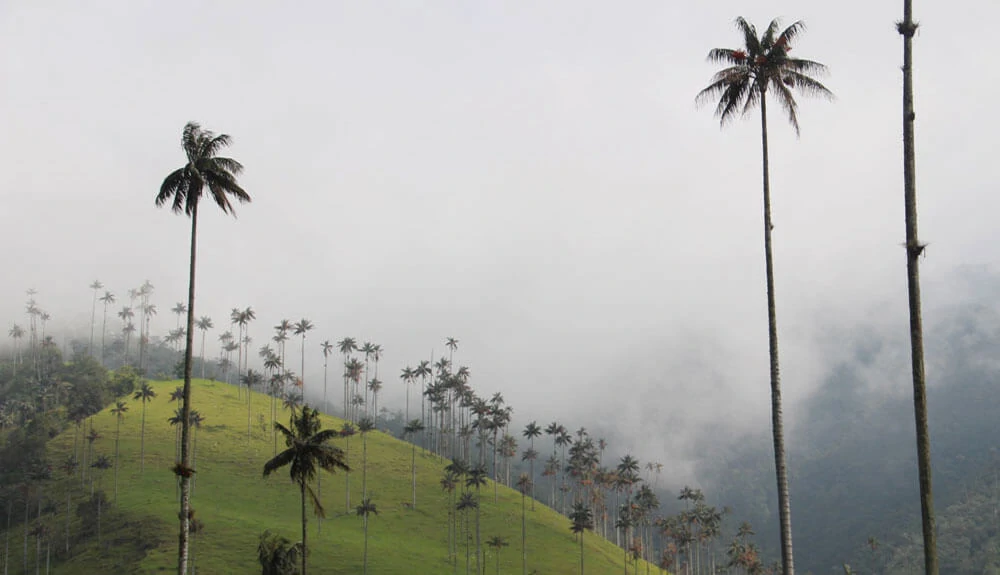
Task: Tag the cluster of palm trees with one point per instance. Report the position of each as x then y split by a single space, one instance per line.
37 338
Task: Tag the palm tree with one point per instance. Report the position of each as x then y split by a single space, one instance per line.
102 463
346 431
346 346
452 345
365 425
531 431
497 543
93 314
477 478
763 64
143 394
327 348
366 508
69 468
407 376
183 188
581 519
118 411
204 323
300 328
277 555
16 333
179 309
107 299
252 379
308 450
412 428
907 28
524 485
466 502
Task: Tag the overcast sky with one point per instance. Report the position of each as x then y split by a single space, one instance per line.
531 178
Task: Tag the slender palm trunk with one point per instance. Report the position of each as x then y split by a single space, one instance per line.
142 439
524 538
184 471
203 353
118 430
93 320
305 549
302 369
479 553
784 505
413 473
347 475
325 363
907 28
365 520
364 467
581 553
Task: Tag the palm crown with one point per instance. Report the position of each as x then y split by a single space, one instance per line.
762 64
184 186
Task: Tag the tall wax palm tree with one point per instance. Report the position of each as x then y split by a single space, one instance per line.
907 28
531 431
300 328
204 172
423 371
466 502
101 464
179 309
107 299
365 425
407 376
327 348
204 323
308 451
452 345
497 543
119 411
366 508
248 315
412 428
17 334
346 347
760 67
477 478
581 519
346 431
143 394
69 468
524 485
251 380
93 314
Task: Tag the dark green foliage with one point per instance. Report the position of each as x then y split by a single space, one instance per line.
277 555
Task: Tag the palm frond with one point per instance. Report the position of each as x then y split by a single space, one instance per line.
223 185
790 33
189 140
804 66
175 187
807 85
284 431
727 56
768 39
228 165
750 40
316 503
784 96
215 144
278 461
324 436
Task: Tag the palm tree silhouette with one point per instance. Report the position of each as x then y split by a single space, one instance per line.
412 428
69 468
17 334
308 451
204 323
327 348
119 411
531 431
251 380
96 285
346 347
346 431
524 485
365 425
760 67
477 478
107 299
143 394
300 328
179 309
497 543
101 464
466 502
366 508
183 189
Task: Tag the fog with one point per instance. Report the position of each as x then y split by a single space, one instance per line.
533 180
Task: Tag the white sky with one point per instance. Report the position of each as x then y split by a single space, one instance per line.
532 178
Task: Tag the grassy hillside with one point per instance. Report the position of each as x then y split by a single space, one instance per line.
236 504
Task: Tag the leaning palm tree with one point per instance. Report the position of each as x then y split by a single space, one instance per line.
143 394
760 67
93 314
366 508
412 428
183 189
907 28
204 323
300 328
119 411
308 451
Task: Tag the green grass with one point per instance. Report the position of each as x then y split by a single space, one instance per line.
237 504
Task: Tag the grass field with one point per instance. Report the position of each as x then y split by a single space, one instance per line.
236 504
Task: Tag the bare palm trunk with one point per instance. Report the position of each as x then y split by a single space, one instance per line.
93 319
347 475
183 470
524 538
907 28
777 426
118 429
142 439
302 487
203 353
413 473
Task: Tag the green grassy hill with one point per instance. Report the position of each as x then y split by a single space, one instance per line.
236 504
